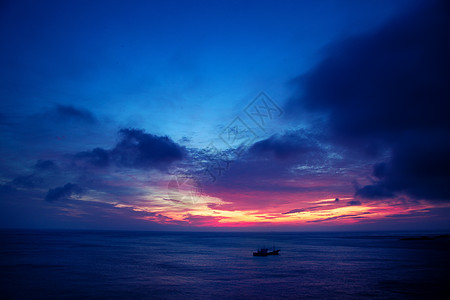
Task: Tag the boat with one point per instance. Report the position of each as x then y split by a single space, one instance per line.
265 252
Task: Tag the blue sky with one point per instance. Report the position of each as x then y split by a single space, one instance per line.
75 76
173 67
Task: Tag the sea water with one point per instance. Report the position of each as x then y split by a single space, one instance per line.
219 265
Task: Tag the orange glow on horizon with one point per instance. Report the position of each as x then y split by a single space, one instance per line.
207 212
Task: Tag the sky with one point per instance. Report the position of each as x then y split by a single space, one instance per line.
225 115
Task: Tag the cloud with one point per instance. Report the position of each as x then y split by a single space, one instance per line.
410 214
294 211
43 171
136 149
384 95
142 150
255 182
353 203
25 181
419 168
380 84
45 165
349 216
290 145
50 128
374 191
98 157
197 220
62 192
271 172
28 181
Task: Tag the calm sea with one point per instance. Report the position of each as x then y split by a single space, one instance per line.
149 265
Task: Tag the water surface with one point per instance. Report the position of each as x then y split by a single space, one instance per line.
156 265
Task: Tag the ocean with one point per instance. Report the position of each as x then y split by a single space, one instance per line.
219 265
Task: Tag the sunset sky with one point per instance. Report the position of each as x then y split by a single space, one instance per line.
225 115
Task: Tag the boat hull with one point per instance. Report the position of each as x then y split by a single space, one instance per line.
275 252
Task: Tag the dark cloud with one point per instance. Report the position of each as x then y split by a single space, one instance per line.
53 127
45 165
349 216
138 149
289 145
375 191
252 181
312 208
264 174
410 214
27 181
387 92
353 203
196 220
62 192
388 81
98 157
294 211
419 168
42 169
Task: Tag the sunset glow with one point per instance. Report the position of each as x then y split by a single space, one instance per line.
247 116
